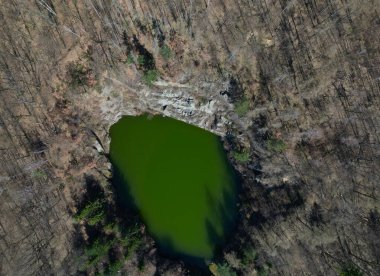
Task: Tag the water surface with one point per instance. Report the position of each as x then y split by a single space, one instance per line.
178 178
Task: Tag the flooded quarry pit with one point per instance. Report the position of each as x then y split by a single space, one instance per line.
178 177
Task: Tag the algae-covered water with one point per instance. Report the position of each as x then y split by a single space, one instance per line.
178 178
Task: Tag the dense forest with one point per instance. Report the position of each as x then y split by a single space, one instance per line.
292 87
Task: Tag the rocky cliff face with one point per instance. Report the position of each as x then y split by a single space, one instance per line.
292 86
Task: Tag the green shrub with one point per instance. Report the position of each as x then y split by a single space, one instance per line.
241 156
140 60
166 52
39 174
131 242
96 218
91 211
263 271
249 255
125 241
114 267
98 248
132 247
130 59
141 265
350 270
150 76
276 145
221 270
111 227
96 251
78 74
242 107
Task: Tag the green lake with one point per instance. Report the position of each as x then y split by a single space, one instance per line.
179 179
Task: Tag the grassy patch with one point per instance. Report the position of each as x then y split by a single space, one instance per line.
95 252
276 145
246 264
242 107
241 156
263 271
111 227
91 211
350 270
150 76
78 74
39 174
130 59
221 270
249 256
114 267
141 60
166 52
